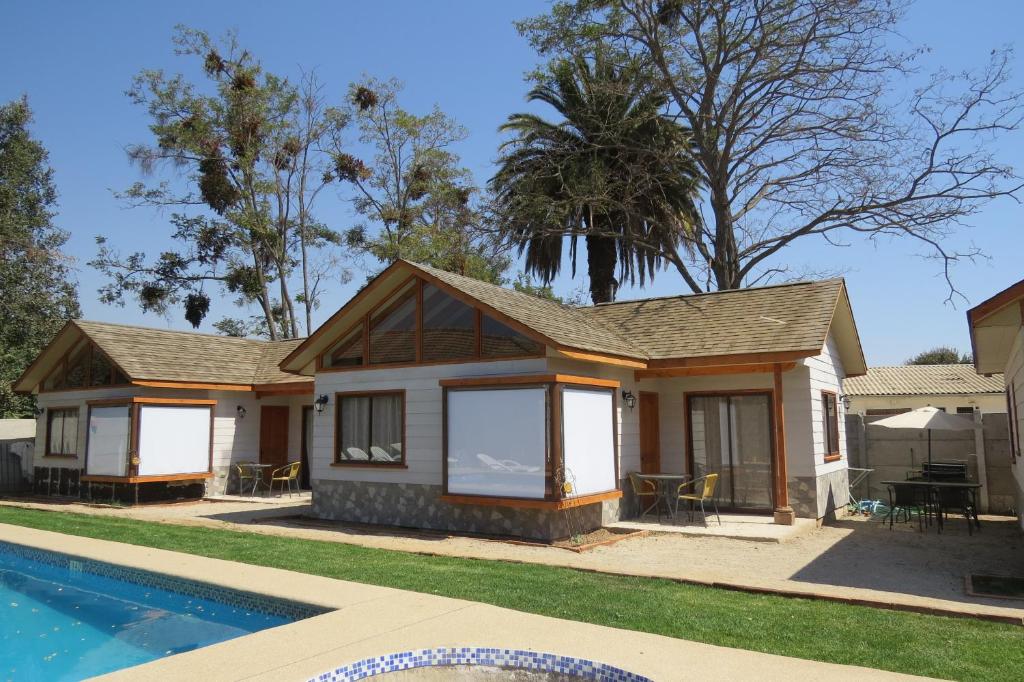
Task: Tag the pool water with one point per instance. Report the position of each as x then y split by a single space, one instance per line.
59 622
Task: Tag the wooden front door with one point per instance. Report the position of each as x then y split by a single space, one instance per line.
274 434
650 434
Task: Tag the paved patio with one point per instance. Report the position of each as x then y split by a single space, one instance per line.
753 527
391 621
855 560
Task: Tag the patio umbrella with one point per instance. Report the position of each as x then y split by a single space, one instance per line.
927 418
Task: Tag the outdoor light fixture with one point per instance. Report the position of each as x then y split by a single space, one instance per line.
320 403
629 399
40 411
845 399
240 411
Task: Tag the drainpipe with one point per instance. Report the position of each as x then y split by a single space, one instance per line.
979 449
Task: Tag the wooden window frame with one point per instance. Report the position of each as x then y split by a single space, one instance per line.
386 302
49 418
1011 417
553 384
370 464
831 455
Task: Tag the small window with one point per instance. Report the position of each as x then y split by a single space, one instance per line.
449 327
393 329
75 375
830 424
500 340
370 429
348 352
965 410
62 431
100 369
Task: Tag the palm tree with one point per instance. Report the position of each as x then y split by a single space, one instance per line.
614 170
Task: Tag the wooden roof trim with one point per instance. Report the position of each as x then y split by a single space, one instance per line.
145 400
717 370
992 305
844 296
198 385
43 357
603 358
519 379
733 359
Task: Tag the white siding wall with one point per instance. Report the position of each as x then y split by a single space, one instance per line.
422 416
234 439
1015 377
826 374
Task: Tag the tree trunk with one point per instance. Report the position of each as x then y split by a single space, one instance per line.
601 253
726 264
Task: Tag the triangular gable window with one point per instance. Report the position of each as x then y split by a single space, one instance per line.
85 366
423 323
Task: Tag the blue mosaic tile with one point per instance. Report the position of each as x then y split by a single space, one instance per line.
243 600
479 656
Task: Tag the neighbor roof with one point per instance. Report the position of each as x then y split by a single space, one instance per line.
922 380
146 354
794 318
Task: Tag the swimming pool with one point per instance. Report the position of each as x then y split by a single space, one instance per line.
66 618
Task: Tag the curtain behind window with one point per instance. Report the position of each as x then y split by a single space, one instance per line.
387 425
355 428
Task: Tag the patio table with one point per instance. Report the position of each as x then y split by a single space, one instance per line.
257 469
971 486
667 485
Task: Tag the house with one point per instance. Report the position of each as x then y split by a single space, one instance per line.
433 400
997 339
145 414
456 404
952 388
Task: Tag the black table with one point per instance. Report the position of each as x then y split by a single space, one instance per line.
970 486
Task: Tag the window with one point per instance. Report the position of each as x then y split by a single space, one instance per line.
449 327
965 410
500 341
62 431
348 352
885 411
86 368
370 428
1011 417
106 448
830 425
393 329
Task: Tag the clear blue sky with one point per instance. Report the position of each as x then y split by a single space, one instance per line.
74 61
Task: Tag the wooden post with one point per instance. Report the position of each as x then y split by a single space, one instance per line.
784 514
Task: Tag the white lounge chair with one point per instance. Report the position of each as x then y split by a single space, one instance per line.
357 454
506 465
381 454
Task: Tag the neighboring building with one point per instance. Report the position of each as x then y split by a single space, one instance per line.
953 388
997 339
448 403
129 411
17 439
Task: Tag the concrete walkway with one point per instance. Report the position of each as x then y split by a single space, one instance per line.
371 621
855 561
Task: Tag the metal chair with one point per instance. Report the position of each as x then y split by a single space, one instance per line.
644 488
907 500
286 475
959 500
707 493
248 472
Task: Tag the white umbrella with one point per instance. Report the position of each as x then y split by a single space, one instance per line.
926 418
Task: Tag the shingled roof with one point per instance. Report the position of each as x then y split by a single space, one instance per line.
787 317
144 353
922 380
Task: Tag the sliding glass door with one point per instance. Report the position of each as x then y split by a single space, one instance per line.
731 435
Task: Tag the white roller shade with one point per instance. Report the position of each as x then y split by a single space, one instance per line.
497 442
588 446
174 439
107 449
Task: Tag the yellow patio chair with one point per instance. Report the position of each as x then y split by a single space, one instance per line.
707 493
644 488
248 474
286 475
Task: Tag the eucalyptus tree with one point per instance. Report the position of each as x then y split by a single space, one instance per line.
613 170
806 123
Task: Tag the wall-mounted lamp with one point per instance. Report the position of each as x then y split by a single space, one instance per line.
320 403
40 411
240 411
845 400
629 399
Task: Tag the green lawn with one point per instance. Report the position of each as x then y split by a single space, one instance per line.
906 642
